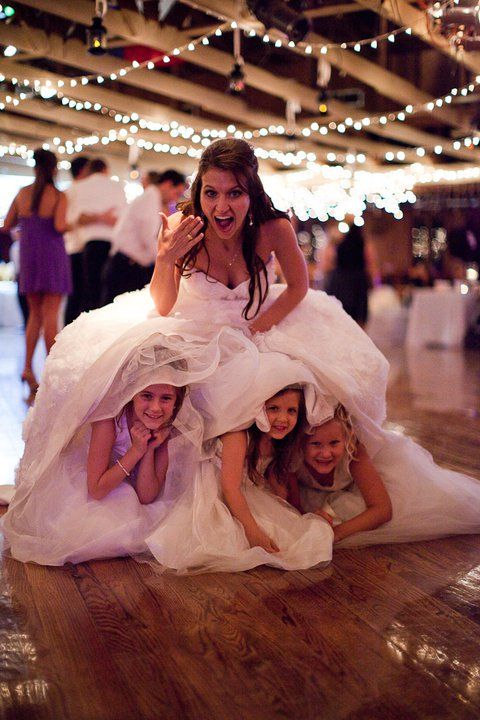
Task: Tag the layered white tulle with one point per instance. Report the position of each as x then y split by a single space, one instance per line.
105 356
428 501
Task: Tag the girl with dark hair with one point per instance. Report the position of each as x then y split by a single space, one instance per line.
39 211
269 457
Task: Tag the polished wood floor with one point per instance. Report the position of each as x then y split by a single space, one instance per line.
387 633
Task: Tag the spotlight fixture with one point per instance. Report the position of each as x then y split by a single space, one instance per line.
236 80
323 101
279 15
97 37
97 32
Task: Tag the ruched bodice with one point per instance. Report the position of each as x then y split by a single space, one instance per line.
202 297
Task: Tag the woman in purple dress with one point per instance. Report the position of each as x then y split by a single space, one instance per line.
39 212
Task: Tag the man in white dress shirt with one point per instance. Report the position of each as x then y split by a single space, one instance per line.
99 202
134 241
74 242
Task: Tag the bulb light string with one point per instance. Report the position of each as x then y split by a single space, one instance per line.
225 26
205 136
177 130
323 192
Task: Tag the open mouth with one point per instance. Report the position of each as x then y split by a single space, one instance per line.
224 222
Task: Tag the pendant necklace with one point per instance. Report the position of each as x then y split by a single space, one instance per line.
235 256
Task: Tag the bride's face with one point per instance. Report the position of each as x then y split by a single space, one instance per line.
224 202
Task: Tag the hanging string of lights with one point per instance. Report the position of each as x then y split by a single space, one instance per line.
175 129
225 26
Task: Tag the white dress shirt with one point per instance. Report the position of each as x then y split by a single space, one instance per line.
135 234
74 242
97 193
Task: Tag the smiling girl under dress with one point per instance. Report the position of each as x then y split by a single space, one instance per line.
400 495
116 454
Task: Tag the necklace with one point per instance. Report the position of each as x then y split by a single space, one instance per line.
235 256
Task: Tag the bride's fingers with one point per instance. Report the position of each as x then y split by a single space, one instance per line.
191 226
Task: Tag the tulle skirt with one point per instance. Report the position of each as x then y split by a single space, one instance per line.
200 534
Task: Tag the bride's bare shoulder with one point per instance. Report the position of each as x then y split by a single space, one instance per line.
274 231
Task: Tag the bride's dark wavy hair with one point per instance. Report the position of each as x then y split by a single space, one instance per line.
237 157
287 451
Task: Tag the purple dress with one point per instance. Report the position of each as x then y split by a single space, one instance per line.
44 263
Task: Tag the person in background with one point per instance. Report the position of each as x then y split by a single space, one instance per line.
350 268
99 202
39 210
134 241
74 242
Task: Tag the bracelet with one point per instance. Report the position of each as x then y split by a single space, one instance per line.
124 469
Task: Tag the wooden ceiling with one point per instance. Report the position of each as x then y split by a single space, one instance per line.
418 68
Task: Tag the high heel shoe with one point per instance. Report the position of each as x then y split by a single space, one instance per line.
28 377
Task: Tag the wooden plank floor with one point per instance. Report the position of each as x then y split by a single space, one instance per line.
389 632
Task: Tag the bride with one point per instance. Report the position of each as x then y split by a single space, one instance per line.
215 264
214 271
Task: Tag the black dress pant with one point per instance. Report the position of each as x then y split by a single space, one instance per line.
95 255
75 300
122 274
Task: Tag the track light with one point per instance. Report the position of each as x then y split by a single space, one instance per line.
236 80
279 15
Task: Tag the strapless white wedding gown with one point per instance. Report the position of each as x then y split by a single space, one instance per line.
105 356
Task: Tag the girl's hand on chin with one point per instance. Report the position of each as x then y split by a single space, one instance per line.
140 436
158 437
258 538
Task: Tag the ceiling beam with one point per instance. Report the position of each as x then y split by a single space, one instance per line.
341 9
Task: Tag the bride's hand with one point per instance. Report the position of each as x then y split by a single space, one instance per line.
174 242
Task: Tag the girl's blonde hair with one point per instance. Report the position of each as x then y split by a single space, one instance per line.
342 416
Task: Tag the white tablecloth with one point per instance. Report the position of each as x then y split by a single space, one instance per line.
10 313
439 317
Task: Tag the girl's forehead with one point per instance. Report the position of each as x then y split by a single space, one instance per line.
331 427
287 396
159 388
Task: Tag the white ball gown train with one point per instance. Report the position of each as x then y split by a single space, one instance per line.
93 370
